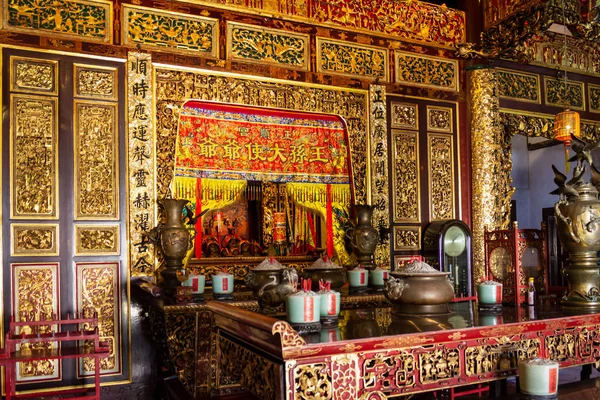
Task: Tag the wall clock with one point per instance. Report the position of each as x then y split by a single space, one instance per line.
447 246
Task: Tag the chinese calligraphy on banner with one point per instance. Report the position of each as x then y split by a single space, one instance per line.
379 168
141 162
226 141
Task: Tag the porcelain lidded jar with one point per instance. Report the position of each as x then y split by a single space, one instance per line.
489 292
222 285
304 309
330 304
538 377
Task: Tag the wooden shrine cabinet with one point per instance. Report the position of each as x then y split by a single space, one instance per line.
514 255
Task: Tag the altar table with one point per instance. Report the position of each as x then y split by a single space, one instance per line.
380 353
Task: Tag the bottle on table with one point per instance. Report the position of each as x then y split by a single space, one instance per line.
531 293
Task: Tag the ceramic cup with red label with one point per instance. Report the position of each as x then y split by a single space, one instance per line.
196 282
222 283
489 292
378 276
330 303
304 307
358 277
538 377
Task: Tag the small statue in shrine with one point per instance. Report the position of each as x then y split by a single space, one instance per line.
213 249
245 248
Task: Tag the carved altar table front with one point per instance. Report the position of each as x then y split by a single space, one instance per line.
378 353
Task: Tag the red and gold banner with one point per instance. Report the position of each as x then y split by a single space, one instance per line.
223 141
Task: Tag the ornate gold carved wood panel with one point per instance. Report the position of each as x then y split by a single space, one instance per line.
165 29
95 82
344 58
441 176
32 75
440 119
405 115
90 20
98 293
273 46
34 164
406 177
96 240
407 238
96 160
34 239
35 297
426 71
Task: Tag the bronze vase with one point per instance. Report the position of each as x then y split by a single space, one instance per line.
174 241
363 236
578 225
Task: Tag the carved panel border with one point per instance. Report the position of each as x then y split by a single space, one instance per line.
33 75
404 115
407 238
555 92
96 166
519 86
427 71
594 98
33 159
97 240
35 296
91 20
95 82
175 31
97 292
441 176
272 46
348 59
440 119
406 177
34 240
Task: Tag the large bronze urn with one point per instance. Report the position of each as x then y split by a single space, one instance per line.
363 236
174 241
578 225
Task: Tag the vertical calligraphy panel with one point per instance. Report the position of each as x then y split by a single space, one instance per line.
35 298
140 160
98 294
96 161
379 169
34 164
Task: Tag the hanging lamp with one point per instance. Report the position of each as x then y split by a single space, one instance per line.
566 123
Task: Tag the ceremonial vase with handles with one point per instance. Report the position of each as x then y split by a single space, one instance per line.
363 236
578 226
174 241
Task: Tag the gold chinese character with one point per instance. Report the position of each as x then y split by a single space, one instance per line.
255 152
298 154
277 153
232 150
316 153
